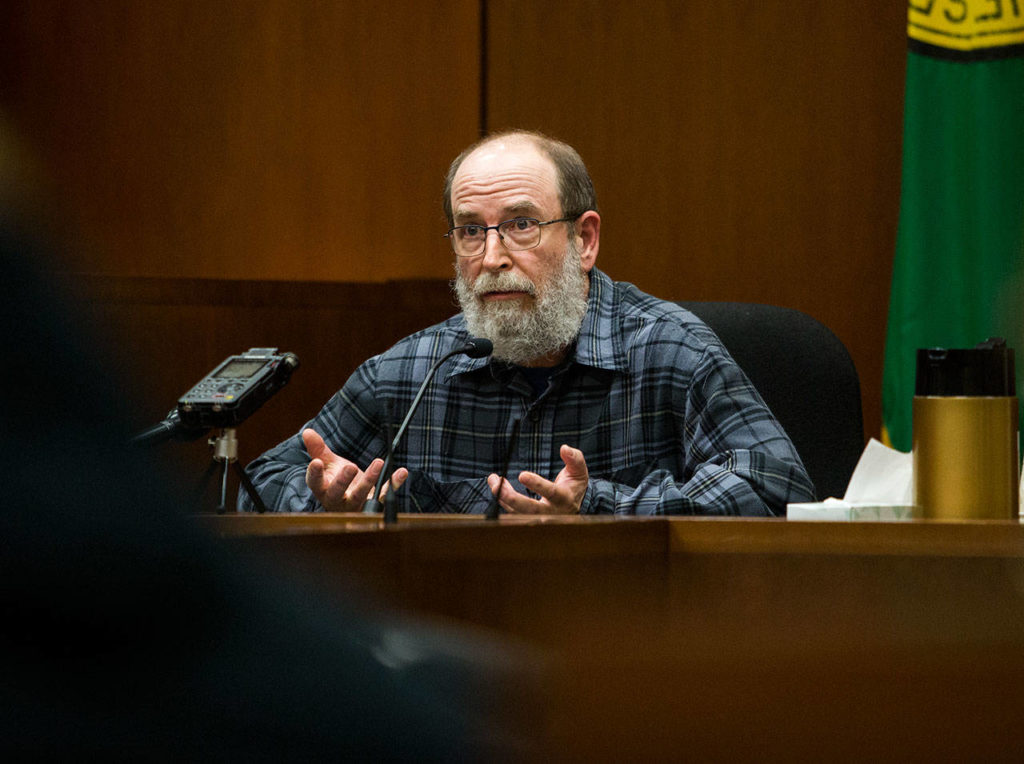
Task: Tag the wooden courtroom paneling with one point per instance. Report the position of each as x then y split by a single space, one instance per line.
741 151
722 639
167 334
247 139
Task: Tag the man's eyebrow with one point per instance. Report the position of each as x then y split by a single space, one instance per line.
520 207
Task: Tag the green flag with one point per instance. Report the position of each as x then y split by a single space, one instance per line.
957 276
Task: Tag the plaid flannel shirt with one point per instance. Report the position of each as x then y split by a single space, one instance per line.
666 420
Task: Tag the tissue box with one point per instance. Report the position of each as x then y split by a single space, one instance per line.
844 510
880 489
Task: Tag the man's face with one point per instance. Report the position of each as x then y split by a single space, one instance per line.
500 181
503 292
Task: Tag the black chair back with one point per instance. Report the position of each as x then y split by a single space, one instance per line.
805 375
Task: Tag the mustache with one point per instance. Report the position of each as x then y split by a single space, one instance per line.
503 282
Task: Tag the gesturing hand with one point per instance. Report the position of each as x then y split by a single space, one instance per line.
338 484
563 496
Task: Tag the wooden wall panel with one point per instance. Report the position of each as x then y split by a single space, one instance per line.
741 151
166 334
247 138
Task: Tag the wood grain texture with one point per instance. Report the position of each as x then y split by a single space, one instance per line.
741 151
166 334
240 139
728 639
744 152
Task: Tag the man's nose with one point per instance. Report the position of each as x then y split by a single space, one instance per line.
496 255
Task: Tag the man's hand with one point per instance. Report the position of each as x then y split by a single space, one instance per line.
338 484
563 496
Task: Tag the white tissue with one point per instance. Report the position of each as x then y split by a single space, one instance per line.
881 488
883 475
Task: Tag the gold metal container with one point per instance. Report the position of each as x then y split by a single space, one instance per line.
965 457
965 433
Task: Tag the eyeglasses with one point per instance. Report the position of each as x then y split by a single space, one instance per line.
515 234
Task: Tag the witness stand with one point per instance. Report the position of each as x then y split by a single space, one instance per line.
729 637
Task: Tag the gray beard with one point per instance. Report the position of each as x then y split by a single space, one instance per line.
521 335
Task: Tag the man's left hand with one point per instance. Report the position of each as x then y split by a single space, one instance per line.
563 496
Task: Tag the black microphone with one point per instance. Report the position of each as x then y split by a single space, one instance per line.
171 428
476 347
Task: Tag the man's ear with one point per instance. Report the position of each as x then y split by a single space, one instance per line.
588 238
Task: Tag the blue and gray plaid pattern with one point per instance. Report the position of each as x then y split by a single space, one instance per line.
665 418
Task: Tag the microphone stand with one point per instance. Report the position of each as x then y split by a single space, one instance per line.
225 454
379 502
476 347
494 509
208 412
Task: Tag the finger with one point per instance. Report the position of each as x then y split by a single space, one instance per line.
496 483
314 444
515 502
397 478
315 477
561 496
575 463
539 485
363 483
335 491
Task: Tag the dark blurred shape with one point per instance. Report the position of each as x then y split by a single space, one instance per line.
127 633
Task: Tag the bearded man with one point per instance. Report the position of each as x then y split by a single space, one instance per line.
624 403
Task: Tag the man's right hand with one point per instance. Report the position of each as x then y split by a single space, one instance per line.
338 484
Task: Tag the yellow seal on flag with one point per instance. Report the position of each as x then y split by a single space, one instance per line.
966 25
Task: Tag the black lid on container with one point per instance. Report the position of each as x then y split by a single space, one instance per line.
986 370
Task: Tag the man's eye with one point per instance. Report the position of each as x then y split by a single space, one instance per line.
471 231
523 224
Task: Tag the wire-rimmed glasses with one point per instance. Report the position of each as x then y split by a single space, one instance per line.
515 234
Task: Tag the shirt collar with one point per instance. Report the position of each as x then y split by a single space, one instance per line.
600 342
598 345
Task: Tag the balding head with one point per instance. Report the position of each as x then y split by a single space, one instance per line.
575 189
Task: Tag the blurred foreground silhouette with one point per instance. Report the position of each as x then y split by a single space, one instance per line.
127 633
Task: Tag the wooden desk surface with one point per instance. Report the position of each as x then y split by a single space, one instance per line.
689 534
723 638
